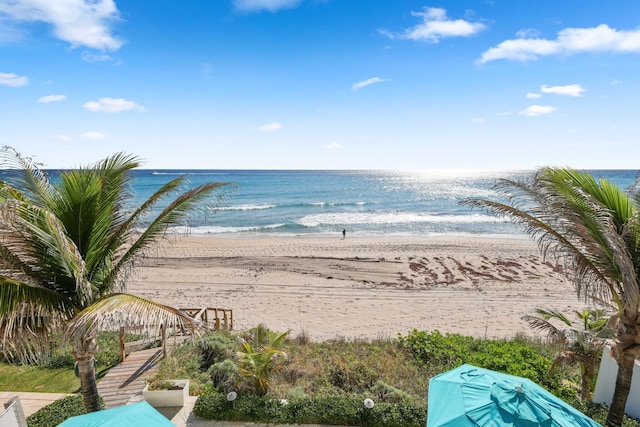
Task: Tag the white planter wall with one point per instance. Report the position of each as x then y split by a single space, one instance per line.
606 383
167 398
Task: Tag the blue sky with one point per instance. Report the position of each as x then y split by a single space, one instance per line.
323 84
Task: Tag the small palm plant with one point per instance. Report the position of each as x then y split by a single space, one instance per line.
582 344
261 356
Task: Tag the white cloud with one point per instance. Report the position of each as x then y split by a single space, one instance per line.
95 136
63 138
112 105
92 57
271 127
531 95
615 82
436 26
270 5
528 33
537 110
79 22
51 98
334 146
569 41
366 83
478 120
13 80
568 90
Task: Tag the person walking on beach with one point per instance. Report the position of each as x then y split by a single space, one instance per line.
344 234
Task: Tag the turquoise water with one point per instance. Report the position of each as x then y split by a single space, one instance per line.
362 202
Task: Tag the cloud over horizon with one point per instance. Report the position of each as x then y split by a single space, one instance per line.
271 127
51 98
435 26
570 41
94 136
537 110
112 105
366 83
568 90
79 22
13 80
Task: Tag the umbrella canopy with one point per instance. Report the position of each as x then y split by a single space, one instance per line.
136 414
472 396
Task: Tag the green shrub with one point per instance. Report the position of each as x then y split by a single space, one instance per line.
335 410
221 374
216 347
384 392
57 412
598 412
515 357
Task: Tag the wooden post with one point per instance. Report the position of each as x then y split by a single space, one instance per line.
163 331
226 321
122 352
217 323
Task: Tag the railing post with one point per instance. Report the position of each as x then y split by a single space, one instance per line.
122 350
163 331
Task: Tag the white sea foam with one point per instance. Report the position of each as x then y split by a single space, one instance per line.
316 220
214 229
245 207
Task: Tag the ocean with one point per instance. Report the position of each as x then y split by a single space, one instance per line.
364 203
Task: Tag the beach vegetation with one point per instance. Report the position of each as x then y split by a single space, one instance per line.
582 343
261 356
69 246
440 353
58 411
591 227
394 373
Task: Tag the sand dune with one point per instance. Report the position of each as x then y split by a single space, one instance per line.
359 287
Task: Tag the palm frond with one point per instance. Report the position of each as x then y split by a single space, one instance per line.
29 178
583 223
174 214
126 310
28 315
546 327
555 244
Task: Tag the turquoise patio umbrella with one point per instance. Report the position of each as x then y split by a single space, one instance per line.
472 396
136 414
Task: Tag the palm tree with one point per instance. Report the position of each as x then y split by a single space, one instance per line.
261 357
67 248
581 345
592 228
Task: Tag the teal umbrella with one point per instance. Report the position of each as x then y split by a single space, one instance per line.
472 396
136 414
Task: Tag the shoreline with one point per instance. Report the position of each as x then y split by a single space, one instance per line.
360 287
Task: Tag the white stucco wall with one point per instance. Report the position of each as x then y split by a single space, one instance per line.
606 383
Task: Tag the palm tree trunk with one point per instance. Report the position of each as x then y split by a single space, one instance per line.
587 373
626 360
84 351
88 384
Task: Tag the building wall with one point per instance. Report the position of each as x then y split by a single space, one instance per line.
606 383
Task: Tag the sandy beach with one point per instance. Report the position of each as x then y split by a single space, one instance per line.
368 287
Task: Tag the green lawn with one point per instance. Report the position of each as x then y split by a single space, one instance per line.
32 378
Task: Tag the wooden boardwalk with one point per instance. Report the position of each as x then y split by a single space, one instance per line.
126 380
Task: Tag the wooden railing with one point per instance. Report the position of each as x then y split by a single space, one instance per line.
219 319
